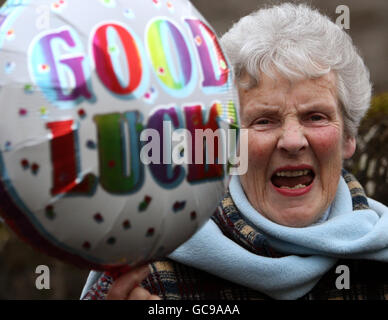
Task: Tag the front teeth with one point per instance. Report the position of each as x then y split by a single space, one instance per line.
292 173
295 187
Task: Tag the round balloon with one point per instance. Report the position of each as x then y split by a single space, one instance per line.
108 108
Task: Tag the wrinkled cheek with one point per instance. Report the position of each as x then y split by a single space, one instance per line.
259 149
327 148
327 143
259 153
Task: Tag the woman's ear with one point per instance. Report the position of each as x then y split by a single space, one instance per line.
349 147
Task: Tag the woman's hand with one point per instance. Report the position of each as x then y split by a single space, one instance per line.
127 287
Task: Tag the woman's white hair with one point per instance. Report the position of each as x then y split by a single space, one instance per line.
299 42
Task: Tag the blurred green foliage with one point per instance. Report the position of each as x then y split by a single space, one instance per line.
370 162
377 110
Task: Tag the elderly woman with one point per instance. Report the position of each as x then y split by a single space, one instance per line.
285 226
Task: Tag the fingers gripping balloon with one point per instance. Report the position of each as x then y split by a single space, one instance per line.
92 95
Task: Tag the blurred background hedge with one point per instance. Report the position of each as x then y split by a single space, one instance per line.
370 162
369 30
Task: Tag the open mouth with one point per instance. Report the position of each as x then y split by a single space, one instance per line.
293 179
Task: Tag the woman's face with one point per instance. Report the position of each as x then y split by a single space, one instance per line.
296 147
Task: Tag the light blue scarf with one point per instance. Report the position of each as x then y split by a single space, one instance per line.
361 234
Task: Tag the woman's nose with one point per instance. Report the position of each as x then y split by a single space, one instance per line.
292 139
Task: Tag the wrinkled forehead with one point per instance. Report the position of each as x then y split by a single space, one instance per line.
275 88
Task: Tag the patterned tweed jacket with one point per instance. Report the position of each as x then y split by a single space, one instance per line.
172 281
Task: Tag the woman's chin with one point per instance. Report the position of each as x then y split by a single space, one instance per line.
297 219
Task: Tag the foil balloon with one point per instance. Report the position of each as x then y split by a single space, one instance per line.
99 103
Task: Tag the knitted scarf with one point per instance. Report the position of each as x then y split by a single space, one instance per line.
353 230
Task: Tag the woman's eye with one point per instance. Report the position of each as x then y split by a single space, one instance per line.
316 117
262 122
